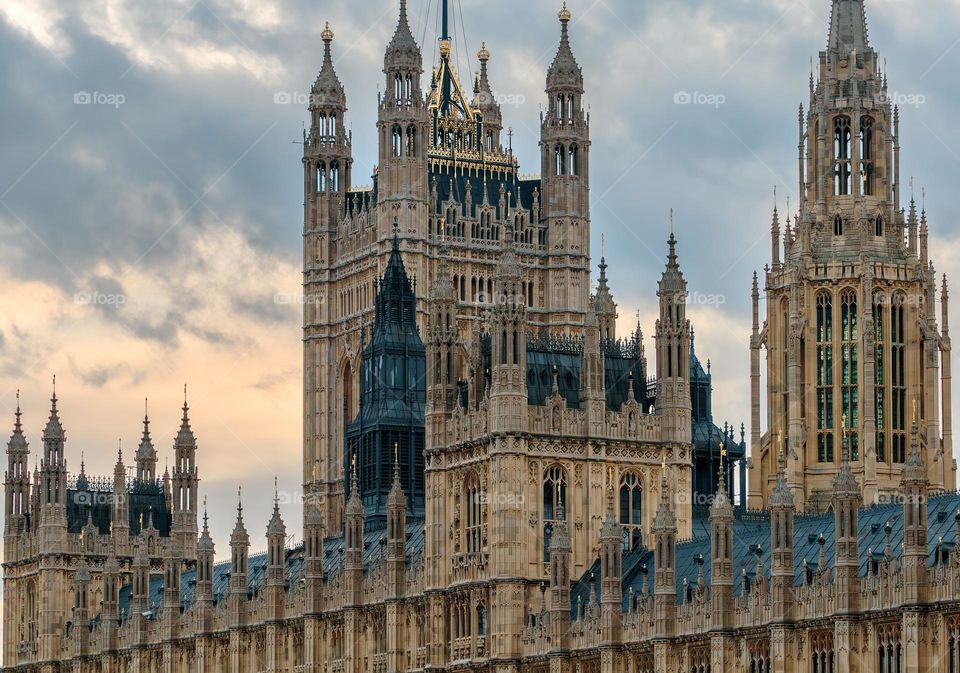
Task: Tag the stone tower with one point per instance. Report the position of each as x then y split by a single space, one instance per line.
673 350
327 165
850 331
565 170
184 487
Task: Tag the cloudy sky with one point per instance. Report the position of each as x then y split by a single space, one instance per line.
151 188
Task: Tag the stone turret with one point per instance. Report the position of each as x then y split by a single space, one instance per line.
276 560
846 512
313 535
782 512
561 557
353 542
239 559
205 557
508 344
611 557
914 494
664 532
16 486
396 537
721 551
81 608
146 456
565 171
184 485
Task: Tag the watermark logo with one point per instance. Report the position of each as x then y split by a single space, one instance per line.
99 299
903 99
714 100
500 499
299 98
514 100
288 299
114 100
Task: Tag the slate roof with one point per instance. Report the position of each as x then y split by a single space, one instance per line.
752 529
293 571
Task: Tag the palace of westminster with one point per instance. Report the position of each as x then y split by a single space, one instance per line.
494 479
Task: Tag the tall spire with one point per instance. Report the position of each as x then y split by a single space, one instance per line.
672 278
848 28
185 435
564 71
327 88
403 49
53 429
18 442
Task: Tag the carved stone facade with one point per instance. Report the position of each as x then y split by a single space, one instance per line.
556 533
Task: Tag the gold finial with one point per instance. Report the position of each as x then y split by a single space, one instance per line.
564 13
327 34
484 53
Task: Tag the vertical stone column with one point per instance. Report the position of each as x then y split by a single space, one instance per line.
910 637
841 647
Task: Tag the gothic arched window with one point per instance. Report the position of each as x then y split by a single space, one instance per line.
898 378
838 225
572 165
560 160
631 509
849 378
841 155
397 141
880 375
473 514
866 155
411 150
824 378
878 226
554 503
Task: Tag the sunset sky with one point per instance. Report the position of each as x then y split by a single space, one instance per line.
151 189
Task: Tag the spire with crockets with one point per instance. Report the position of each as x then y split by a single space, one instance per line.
146 454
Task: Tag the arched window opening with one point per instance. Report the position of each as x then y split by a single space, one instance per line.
866 155
880 376
333 184
824 378
411 150
631 510
560 160
898 379
398 88
878 226
849 378
554 503
321 177
473 514
838 225
841 155
397 141
572 166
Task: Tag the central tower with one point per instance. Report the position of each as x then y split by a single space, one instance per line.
853 345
